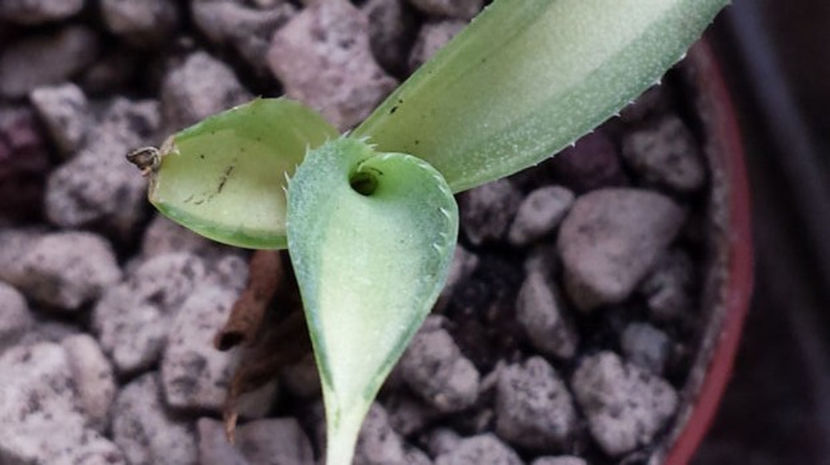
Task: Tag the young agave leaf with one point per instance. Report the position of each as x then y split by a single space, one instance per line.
371 238
224 178
528 77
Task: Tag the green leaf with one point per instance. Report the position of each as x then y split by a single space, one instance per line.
224 178
528 77
371 238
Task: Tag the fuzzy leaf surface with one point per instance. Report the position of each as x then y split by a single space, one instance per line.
369 265
528 77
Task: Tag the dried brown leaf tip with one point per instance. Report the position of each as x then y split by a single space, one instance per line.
147 159
268 324
265 278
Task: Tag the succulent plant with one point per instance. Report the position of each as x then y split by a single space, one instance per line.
369 217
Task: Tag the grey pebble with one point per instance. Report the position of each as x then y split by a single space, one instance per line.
486 211
17 242
442 441
668 288
625 405
41 421
416 456
534 409
432 36
542 259
64 111
541 313
163 236
132 320
484 449
275 441
407 414
201 86
140 22
666 154
46 330
265 4
146 432
323 59
32 12
111 73
24 162
391 27
64 270
561 460
656 101
15 317
539 214
646 346
463 265
378 443
229 271
248 30
195 375
93 377
611 239
43 60
214 446
592 163
434 368
98 188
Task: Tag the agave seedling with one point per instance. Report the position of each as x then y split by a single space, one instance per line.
369 218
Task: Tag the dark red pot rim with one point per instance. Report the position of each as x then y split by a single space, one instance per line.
724 144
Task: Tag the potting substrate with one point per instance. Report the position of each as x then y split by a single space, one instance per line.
566 333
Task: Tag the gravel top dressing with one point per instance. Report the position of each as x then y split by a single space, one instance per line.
565 333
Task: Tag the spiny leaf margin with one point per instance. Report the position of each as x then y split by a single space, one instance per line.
224 178
369 267
528 77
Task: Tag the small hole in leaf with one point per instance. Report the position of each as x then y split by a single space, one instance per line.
364 183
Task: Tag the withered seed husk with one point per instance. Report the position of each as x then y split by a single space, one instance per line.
266 276
268 324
